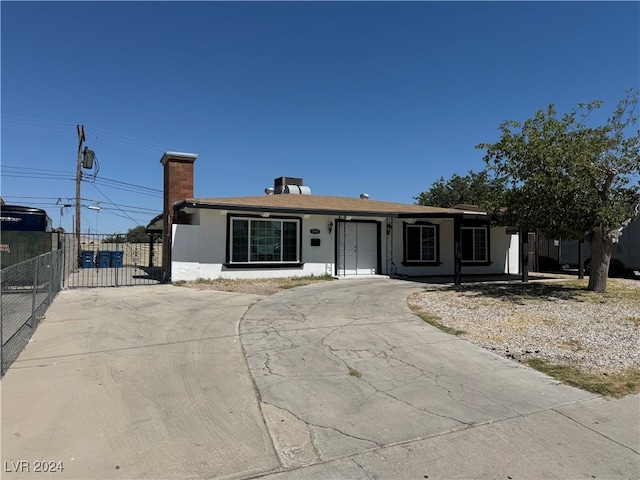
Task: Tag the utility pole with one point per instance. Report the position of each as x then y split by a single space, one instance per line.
81 139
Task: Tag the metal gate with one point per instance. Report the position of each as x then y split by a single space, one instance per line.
93 260
543 254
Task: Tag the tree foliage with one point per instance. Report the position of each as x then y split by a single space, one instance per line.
137 235
571 180
134 235
479 189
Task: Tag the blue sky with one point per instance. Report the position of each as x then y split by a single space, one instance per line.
376 97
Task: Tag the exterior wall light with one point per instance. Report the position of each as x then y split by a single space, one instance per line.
330 226
389 228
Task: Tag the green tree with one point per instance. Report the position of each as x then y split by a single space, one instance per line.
134 235
479 189
137 235
570 180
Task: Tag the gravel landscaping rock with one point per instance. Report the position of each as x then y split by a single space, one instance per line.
568 326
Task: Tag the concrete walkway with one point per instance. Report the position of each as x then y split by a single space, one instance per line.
336 380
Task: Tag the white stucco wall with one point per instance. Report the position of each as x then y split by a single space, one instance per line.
503 251
185 242
504 255
513 254
446 253
199 251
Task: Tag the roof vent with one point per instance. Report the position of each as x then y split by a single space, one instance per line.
364 196
269 191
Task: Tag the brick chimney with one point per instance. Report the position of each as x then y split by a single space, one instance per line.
178 185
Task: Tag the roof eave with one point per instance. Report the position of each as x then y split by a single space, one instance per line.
155 225
180 205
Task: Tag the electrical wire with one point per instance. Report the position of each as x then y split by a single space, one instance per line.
26 197
23 172
121 183
41 201
111 203
120 140
152 147
25 169
39 125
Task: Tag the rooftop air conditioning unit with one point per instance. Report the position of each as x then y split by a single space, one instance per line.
299 189
283 185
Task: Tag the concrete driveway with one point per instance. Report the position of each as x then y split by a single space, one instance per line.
136 382
342 382
352 381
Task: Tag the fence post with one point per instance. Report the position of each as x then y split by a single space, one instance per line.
50 256
32 322
117 246
64 260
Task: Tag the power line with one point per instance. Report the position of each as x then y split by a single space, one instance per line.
127 189
34 124
69 199
117 139
22 196
25 169
119 182
111 203
23 172
126 141
37 176
115 185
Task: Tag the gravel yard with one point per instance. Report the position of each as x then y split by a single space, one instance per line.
557 321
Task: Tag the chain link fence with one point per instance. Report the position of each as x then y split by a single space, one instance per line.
28 288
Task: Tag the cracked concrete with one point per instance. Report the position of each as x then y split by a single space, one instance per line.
136 382
291 436
362 375
333 380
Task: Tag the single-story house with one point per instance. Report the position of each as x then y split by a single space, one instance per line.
291 232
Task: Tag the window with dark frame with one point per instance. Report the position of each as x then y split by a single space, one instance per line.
260 240
474 245
421 243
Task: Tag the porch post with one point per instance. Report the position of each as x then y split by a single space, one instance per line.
457 252
580 260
